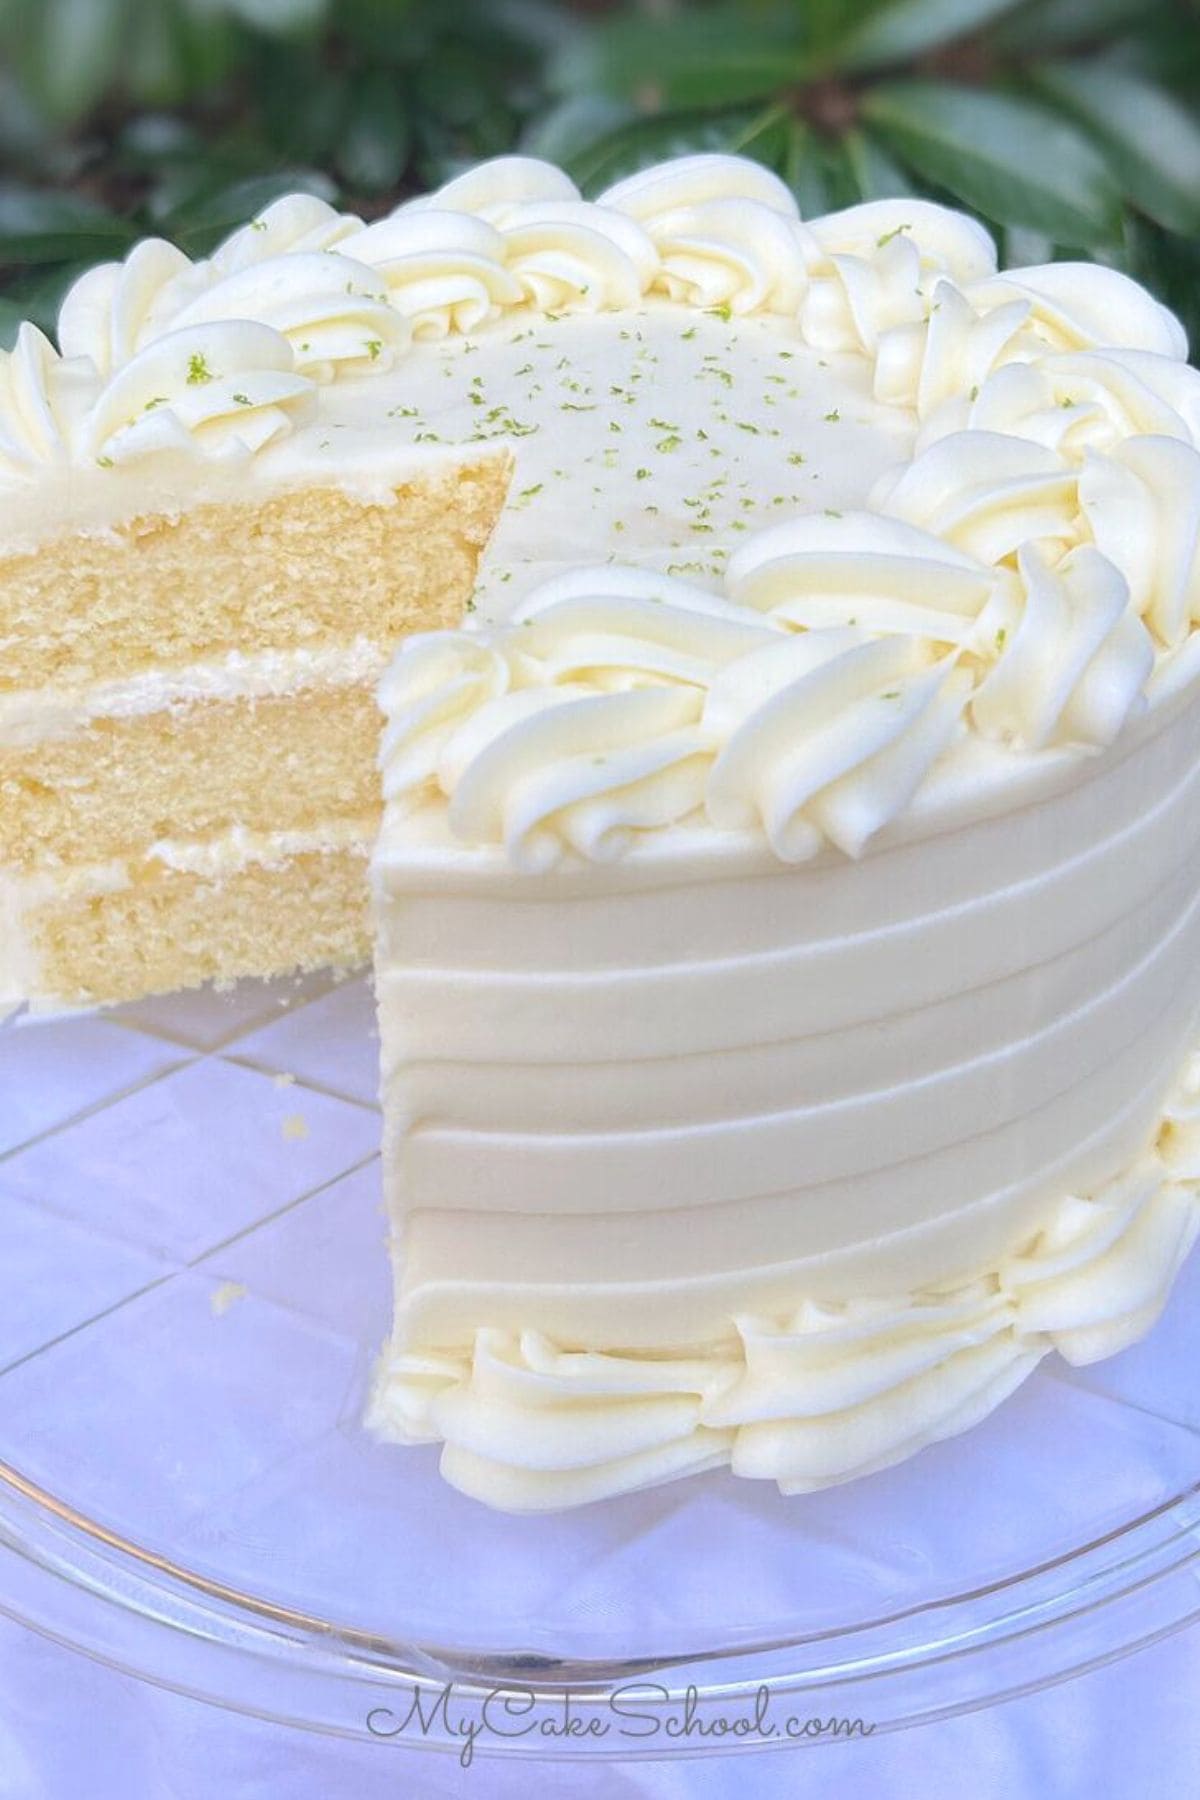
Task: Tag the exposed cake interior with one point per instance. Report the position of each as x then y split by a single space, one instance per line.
188 722
194 660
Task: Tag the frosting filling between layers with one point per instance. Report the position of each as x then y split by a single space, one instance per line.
40 909
43 714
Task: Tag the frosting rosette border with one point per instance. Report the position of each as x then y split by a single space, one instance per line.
1051 570
832 1391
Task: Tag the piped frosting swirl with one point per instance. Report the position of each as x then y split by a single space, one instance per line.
808 702
1024 579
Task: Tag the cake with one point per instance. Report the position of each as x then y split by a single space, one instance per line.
201 576
787 895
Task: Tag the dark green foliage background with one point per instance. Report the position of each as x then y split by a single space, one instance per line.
1069 126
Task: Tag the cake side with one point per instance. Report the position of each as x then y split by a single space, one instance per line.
787 980
915 1152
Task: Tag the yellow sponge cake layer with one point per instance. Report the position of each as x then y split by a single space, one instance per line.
272 909
188 725
279 761
290 569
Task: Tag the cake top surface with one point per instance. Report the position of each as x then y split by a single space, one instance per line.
804 514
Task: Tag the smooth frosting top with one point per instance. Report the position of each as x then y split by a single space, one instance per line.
1021 579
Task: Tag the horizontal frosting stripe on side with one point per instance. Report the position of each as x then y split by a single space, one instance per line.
819 1388
370 465
728 1158
926 1221
640 1014
599 917
760 1078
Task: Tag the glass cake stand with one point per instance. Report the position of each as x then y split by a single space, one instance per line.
194 1289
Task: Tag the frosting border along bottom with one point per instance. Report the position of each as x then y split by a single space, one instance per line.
834 1391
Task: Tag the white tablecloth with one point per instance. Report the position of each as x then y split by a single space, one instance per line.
70 1730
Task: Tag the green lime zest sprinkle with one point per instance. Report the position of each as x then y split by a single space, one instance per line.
198 369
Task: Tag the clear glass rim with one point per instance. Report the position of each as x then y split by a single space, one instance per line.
135 1608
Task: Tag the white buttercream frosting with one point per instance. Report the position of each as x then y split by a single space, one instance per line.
845 657
1056 455
833 1390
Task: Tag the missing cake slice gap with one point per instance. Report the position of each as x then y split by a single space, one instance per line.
188 721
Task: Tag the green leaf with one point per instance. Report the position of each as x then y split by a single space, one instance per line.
38 295
1153 142
457 83
215 43
571 126
41 227
715 58
805 171
281 16
302 103
75 55
540 25
24 132
1043 25
876 174
908 28
1023 247
653 140
209 214
374 147
157 65
817 169
11 319
151 139
1161 52
1010 160
1169 265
